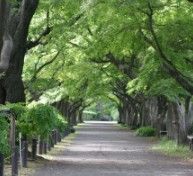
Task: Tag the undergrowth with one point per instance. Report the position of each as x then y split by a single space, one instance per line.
170 148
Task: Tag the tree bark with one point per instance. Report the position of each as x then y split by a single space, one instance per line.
161 114
177 129
169 122
12 89
80 116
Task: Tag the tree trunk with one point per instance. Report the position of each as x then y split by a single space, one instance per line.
177 114
188 114
14 88
73 119
120 110
11 85
124 113
2 95
80 116
169 122
182 123
134 124
161 114
1 164
34 148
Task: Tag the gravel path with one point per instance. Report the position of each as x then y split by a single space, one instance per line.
102 149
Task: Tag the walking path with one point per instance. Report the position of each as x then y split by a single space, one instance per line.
102 149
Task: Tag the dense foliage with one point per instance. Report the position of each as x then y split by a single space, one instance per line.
4 128
78 53
40 120
33 122
129 58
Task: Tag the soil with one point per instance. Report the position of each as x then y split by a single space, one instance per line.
104 149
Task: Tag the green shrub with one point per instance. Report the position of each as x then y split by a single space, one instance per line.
41 119
146 131
32 122
61 124
4 130
20 111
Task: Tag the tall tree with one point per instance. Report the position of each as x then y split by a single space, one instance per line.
15 20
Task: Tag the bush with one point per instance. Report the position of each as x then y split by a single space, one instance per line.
4 127
31 122
61 124
20 111
41 119
146 131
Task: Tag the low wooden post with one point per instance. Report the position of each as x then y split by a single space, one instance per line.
15 152
58 137
45 147
1 164
24 153
49 145
65 133
51 140
55 137
14 160
40 146
23 150
14 149
34 149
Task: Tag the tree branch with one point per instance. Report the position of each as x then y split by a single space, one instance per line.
184 81
26 12
38 70
37 41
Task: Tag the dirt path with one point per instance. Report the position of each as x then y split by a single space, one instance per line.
105 150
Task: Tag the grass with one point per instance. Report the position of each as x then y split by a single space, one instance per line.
170 148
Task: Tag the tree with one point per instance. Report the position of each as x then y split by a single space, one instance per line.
15 21
129 57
